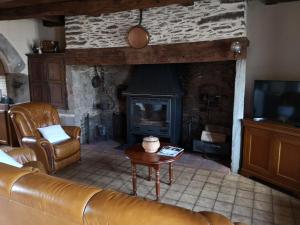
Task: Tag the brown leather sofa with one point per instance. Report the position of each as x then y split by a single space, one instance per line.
32 198
27 118
26 157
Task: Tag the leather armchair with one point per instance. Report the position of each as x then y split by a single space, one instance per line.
27 118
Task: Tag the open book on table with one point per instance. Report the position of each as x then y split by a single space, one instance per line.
170 151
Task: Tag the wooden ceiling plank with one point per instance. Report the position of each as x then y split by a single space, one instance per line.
78 7
21 3
208 51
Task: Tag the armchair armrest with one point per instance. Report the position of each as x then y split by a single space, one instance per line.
73 131
23 155
43 150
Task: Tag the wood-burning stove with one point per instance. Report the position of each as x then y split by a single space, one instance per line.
154 104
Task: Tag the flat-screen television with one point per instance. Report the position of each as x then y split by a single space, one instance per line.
277 100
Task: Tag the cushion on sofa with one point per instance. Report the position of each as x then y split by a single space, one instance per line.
54 134
5 158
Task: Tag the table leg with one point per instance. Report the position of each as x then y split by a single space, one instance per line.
157 182
170 173
149 173
133 170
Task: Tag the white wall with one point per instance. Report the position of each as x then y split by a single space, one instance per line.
22 33
274 52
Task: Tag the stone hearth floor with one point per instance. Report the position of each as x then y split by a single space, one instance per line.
199 185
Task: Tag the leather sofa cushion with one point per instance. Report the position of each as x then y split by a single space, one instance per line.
9 175
57 197
66 149
109 207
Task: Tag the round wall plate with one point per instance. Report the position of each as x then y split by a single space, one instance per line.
138 37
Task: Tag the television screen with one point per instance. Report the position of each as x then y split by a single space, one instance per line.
277 100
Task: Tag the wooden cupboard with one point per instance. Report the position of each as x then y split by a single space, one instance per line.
47 79
7 132
271 152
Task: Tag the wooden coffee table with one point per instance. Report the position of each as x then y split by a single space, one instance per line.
138 156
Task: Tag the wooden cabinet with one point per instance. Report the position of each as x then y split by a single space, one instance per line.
7 132
47 79
272 152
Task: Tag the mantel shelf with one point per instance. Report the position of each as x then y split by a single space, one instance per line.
206 51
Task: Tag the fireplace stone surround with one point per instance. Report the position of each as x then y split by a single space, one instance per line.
226 78
204 21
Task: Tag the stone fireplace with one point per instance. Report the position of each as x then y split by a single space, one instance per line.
154 103
203 21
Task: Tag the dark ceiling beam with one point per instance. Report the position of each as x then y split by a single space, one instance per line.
54 21
206 51
272 2
79 7
21 3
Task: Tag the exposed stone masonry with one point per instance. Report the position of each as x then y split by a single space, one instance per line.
203 21
198 80
100 103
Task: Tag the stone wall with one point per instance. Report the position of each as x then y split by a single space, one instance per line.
98 103
204 21
208 99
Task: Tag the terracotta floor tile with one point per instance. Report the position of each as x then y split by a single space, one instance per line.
205 202
209 194
185 205
265 206
223 206
225 198
188 198
242 219
245 194
242 210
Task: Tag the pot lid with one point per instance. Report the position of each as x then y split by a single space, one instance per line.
150 139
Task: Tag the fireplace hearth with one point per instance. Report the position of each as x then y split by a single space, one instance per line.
154 103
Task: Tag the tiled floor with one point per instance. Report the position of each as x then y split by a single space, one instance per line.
199 185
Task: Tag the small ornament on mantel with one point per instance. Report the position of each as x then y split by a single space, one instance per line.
151 144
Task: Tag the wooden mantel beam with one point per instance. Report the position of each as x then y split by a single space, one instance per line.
76 7
207 51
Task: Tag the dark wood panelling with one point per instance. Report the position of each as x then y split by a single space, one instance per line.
7 131
21 3
3 128
287 161
54 67
78 7
37 70
258 160
206 51
47 79
57 94
272 152
271 2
